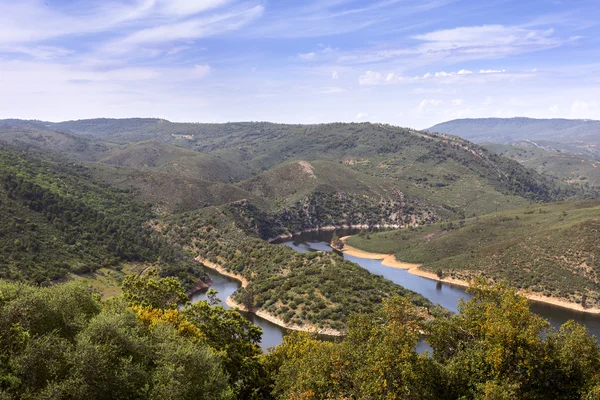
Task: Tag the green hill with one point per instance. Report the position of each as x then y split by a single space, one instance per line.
548 249
159 156
57 220
568 135
568 167
170 192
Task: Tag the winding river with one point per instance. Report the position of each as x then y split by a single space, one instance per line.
446 295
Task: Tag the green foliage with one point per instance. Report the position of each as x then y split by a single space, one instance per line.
495 349
318 290
63 342
148 290
56 220
539 249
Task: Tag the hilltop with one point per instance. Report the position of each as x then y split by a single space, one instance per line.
439 175
504 130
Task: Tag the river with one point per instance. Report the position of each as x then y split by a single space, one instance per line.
446 295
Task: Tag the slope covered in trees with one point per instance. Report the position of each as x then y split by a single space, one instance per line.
302 289
62 342
55 219
549 250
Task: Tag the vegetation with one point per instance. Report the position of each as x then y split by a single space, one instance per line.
56 220
550 249
576 136
63 342
308 170
494 349
568 167
304 289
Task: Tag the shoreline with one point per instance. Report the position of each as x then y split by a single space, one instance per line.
327 228
389 260
262 313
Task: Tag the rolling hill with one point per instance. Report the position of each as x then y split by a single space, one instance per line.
551 250
568 167
57 221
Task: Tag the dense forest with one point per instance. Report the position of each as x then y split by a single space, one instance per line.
62 342
55 220
305 290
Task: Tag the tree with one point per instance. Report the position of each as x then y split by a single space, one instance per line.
336 242
148 289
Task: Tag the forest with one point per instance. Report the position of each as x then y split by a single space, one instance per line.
63 342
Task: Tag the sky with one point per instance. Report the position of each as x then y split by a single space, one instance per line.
410 63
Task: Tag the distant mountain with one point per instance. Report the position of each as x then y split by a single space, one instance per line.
337 173
506 130
575 136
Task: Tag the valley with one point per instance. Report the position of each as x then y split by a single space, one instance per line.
130 206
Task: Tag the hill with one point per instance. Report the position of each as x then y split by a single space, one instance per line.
158 156
303 290
170 192
503 130
551 250
56 220
568 167
574 136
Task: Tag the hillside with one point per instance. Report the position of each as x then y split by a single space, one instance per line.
170 192
551 250
574 136
57 220
158 156
503 130
302 289
568 167
373 167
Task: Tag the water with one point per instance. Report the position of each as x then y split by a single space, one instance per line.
446 295
225 286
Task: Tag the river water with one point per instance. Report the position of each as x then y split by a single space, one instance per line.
446 295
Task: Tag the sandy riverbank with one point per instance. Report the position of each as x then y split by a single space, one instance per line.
262 313
389 260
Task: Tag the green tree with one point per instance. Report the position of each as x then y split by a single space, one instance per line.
148 289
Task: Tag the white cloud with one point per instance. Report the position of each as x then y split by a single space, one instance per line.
554 109
335 75
361 116
369 78
201 71
457 102
580 106
190 29
188 7
492 71
307 56
331 90
427 105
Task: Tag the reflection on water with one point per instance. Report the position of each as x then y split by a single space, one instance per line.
272 334
444 294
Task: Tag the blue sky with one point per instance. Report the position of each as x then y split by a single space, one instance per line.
406 62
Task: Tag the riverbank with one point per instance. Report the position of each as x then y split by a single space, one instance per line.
329 228
262 313
389 260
